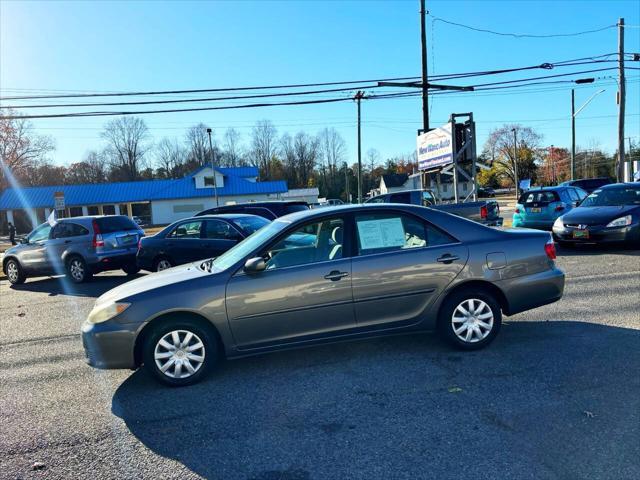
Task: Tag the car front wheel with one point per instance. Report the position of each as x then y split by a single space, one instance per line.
77 270
180 353
470 320
14 272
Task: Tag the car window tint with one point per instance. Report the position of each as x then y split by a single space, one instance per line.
296 208
384 232
315 242
187 230
403 197
220 230
40 233
260 211
65 230
380 199
538 197
581 193
115 223
428 199
573 194
250 224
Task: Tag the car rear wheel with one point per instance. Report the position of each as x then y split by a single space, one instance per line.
130 268
180 353
470 320
77 270
14 272
162 263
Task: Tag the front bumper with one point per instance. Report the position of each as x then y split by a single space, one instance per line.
599 234
532 291
109 344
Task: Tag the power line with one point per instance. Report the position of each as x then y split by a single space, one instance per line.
520 35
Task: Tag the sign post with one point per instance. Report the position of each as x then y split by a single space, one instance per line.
58 198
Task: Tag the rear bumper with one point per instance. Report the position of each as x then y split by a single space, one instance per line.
108 345
102 263
600 234
538 225
532 291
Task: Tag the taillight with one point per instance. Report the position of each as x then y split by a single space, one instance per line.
517 210
550 249
139 243
97 236
484 213
559 208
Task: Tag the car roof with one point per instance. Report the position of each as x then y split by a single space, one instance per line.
611 186
224 216
321 212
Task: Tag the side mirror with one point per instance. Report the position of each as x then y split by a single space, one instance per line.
24 240
255 265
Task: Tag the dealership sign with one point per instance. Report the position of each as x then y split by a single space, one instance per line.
435 148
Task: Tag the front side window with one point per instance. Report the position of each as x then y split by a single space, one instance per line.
427 199
187 230
40 233
388 232
316 242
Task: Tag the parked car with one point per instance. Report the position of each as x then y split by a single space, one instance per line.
194 239
269 210
77 247
486 212
325 275
588 184
486 192
609 214
540 207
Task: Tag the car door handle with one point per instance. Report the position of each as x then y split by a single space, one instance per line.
67 241
335 275
447 258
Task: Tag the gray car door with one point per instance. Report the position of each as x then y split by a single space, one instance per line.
402 264
304 293
34 257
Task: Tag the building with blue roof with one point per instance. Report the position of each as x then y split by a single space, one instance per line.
155 201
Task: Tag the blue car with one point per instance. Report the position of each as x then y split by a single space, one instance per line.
540 207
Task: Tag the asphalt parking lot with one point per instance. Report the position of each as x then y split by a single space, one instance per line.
556 396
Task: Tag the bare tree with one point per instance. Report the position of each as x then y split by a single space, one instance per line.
169 155
20 148
333 147
301 154
90 170
197 143
264 145
501 144
126 146
233 152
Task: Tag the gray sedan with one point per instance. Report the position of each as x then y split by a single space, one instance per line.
325 275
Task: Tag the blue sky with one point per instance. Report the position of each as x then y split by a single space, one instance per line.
125 46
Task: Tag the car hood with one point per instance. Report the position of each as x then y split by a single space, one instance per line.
152 281
597 215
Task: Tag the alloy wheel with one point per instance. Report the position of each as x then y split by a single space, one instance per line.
179 354
76 268
12 271
163 265
472 320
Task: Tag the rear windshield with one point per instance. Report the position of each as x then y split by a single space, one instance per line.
115 223
296 208
538 197
250 224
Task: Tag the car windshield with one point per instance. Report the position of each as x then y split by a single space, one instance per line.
613 197
244 248
250 225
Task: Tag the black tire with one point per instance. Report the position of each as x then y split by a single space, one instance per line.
14 272
130 268
482 336
159 261
209 352
77 269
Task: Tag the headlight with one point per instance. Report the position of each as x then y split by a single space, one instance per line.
558 223
620 222
106 312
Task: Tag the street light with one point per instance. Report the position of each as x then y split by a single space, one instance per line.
574 113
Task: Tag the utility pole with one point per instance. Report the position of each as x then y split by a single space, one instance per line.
573 134
621 103
515 160
425 84
553 165
359 96
213 168
346 183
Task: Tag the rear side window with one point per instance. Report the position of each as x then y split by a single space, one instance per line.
250 224
116 223
187 230
538 197
404 197
65 230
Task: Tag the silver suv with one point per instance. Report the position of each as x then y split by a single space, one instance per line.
77 247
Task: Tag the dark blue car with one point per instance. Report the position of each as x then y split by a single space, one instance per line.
195 238
540 207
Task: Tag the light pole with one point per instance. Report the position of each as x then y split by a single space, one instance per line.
213 168
574 113
515 159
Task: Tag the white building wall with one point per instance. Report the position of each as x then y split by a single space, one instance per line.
168 211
